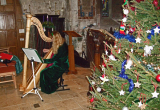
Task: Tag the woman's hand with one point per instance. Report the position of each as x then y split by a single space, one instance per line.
45 50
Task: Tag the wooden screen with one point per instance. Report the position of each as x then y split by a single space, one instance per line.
11 22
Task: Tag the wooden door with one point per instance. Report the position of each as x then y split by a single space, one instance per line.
11 27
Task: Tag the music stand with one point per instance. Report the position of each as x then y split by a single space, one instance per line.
32 55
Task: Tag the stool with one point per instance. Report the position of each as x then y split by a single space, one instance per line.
9 70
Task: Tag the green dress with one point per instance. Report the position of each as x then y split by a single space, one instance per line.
49 76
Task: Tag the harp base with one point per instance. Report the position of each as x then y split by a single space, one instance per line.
35 92
35 89
21 88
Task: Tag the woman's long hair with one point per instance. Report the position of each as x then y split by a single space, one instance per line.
58 40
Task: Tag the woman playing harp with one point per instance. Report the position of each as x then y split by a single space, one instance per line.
50 75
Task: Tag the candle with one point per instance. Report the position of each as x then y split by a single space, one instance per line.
47 17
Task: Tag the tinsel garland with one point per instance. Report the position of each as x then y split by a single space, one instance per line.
123 75
122 36
152 32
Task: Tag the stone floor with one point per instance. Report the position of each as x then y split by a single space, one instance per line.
73 99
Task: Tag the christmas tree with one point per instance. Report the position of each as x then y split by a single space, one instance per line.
130 74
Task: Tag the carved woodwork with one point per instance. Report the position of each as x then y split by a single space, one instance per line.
95 45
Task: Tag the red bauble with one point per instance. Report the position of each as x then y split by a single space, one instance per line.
92 99
104 64
158 78
158 8
155 2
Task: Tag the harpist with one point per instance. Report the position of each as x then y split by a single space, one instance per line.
50 75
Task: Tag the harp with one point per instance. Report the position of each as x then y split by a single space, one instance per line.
27 84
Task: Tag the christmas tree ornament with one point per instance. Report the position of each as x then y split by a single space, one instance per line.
122 28
138 40
111 57
127 32
125 108
155 2
147 50
137 84
125 11
122 92
158 78
155 94
139 104
119 51
115 44
124 19
103 65
131 46
119 48
125 2
142 102
103 75
93 83
131 50
106 52
143 106
91 100
98 89
104 79
156 30
129 64
148 31
131 30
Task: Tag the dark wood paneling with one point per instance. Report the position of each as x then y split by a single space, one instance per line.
11 22
11 1
1 8
9 8
3 39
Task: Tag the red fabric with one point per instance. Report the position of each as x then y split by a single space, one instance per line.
50 63
6 56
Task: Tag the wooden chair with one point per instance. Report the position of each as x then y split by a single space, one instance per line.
9 70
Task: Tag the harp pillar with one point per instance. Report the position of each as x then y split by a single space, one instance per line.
22 87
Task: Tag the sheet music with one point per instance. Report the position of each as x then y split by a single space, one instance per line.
32 54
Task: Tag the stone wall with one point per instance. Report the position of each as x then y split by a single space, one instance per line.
69 10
